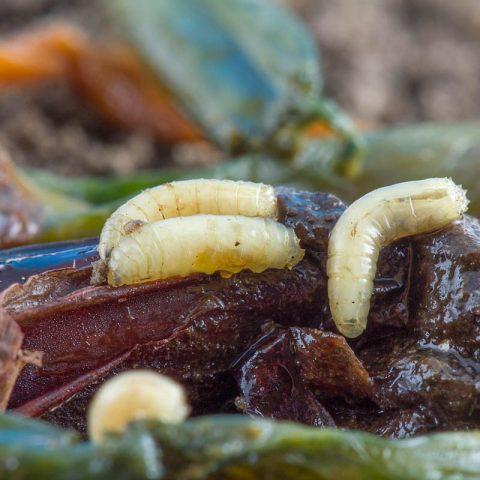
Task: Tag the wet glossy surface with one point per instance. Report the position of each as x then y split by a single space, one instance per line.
265 343
290 371
431 371
17 264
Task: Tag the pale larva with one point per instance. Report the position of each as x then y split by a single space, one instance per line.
186 198
202 244
135 395
373 221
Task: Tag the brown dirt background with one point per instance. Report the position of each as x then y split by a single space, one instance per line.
385 61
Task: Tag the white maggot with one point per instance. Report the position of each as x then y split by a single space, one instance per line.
373 221
186 198
135 395
202 244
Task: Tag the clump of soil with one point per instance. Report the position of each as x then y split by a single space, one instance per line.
50 127
390 61
385 61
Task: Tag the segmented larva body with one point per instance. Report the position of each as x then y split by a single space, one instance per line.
187 198
373 221
202 244
135 395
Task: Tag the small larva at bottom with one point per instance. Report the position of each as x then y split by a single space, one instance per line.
202 244
135 395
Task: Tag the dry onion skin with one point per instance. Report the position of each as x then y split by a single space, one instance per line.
187 198
372 222
202 244
135 395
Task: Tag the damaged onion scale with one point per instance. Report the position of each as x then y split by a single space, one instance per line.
372 222
196 226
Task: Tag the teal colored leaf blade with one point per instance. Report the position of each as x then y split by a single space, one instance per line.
233 448
230 63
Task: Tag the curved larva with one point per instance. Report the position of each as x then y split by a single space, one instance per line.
135 395
202 244
373 221
186 198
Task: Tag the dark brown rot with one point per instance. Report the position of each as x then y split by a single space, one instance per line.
263 344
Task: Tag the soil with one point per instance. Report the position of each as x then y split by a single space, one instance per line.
390 61
385 61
